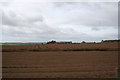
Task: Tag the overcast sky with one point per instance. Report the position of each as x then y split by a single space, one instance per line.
60 21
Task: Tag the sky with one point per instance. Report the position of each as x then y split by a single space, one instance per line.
59 21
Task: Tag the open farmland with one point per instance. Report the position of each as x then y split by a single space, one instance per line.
63 47
86 60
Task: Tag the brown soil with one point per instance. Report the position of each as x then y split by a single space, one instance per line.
93 60
81 64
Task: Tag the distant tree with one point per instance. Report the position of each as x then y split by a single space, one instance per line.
102 41
83 42
51 42
110 41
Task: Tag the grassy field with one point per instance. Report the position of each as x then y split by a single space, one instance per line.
61 61
8 45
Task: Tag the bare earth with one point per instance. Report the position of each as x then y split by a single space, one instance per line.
60 64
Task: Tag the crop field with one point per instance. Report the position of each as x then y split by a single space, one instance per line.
86 60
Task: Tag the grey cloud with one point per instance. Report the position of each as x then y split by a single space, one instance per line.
4 3
59 22
8 20
92 14
12 19
62 4
35 19
28 26
95 28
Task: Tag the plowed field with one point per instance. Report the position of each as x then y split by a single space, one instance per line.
61 61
